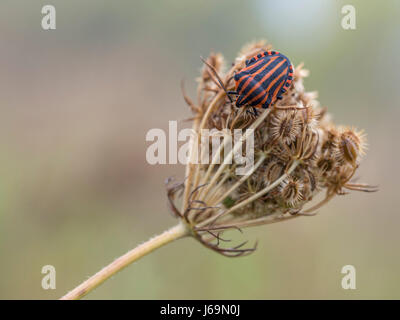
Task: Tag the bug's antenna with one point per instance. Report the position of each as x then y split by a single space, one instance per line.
218 78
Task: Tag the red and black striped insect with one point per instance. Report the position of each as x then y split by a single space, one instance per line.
263 80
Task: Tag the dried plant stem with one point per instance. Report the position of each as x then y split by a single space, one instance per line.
120 263
189 168
235 149
215 199
254 222
214 160
262 192
213 195
253 197
211 108
256 123
202 125
197 126
241 180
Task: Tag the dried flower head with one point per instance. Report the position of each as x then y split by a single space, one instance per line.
298 152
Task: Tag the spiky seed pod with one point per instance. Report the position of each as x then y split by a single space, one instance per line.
310 183
282 152
285 125
350 146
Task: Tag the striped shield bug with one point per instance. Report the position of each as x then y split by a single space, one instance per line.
263 80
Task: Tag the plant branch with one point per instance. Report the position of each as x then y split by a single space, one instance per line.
253 197
120 263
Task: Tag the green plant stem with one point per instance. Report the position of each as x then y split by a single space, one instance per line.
179 231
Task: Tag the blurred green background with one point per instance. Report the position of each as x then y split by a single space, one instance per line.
75 106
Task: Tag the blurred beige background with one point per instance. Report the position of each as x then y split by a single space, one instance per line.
76 103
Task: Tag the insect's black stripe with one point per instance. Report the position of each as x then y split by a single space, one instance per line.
261 57
280 62
263 64
239 101
277 73
253 67
277 86
259 97
241 79
268 102
255 97
245 90
262 79
244 84
259 100
257 91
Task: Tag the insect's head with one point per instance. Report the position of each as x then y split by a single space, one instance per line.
239 101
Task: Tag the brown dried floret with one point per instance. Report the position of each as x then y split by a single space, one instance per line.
273 170
291 191
350 145
285 125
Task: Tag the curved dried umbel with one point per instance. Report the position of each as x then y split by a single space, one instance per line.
298 153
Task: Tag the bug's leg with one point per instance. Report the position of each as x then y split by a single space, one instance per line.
250 111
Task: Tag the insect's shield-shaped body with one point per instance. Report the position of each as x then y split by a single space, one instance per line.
263 80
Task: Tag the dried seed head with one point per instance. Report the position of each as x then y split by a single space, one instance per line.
285 125
291 191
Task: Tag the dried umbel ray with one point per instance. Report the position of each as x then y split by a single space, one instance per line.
298 150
